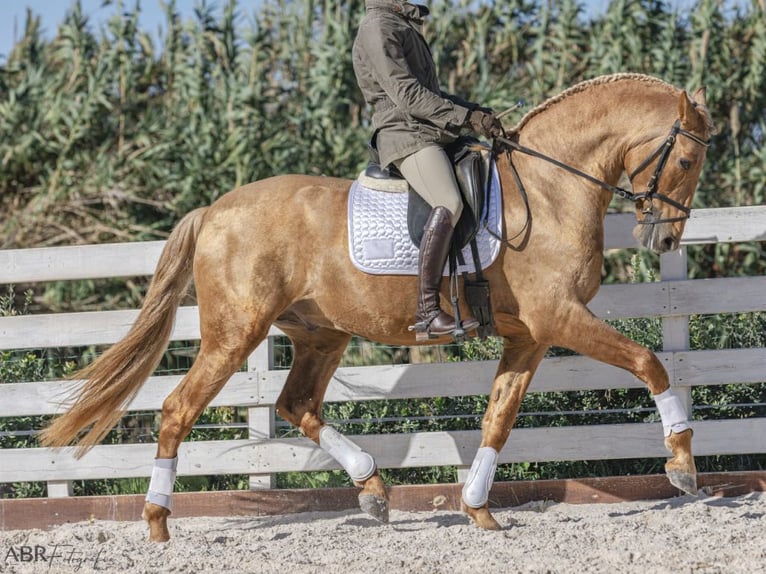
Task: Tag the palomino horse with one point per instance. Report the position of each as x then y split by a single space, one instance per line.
275 252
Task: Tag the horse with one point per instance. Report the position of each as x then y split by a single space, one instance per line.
274 252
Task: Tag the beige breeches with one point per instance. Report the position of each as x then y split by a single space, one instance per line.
430 173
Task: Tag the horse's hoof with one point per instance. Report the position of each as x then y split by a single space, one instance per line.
482 517
681 470
157 519
684 481
375 506
158 533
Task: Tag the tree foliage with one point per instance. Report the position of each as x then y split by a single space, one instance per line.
112 135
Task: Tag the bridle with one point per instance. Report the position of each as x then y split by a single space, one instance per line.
663 151
661 154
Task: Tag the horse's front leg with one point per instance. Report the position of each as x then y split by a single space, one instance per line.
521 356
588 335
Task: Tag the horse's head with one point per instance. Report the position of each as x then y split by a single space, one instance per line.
669 173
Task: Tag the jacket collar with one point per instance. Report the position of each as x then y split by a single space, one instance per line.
415 12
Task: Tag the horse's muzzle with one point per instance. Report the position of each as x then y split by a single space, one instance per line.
659 237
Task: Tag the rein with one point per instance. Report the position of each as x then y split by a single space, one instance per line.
651 193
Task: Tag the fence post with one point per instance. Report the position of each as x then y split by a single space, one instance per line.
261 420
675 329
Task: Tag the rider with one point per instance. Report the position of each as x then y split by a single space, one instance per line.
412 122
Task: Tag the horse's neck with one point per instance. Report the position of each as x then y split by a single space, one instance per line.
595 152
577 132
592 144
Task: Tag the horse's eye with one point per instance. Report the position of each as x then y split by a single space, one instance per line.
685 164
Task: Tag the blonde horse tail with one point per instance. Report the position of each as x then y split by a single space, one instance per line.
114 378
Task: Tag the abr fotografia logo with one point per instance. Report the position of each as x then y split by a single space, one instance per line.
56 554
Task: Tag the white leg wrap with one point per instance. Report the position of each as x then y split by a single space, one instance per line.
358 464
672 412
476 488
161 485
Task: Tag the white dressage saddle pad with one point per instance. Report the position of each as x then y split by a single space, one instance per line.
379 241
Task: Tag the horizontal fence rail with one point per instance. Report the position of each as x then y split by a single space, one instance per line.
723 225
409 450
555 374
671 300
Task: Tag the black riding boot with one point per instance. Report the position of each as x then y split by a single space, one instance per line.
430 321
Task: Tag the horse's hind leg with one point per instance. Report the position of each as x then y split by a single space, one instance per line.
521 356
588 335
316 355
213 367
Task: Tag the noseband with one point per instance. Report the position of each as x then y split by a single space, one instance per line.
651 193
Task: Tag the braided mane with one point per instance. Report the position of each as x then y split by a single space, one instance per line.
587 84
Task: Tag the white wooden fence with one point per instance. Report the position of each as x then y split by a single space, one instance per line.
260 456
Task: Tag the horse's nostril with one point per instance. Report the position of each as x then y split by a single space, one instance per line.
668 243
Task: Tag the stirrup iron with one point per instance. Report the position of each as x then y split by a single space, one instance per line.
423 329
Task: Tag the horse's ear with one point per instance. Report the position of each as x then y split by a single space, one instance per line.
700 96
687 113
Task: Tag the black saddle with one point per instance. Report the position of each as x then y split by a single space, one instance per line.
471 160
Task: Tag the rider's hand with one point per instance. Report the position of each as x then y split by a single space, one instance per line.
485 124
